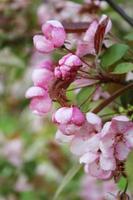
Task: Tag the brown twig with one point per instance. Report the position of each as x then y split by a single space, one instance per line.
114 96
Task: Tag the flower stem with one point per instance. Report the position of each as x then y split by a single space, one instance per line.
110 99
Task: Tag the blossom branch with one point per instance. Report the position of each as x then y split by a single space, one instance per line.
114 96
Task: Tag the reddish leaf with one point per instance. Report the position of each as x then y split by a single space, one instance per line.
99 35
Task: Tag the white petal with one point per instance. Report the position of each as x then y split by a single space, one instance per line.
78 146
35 92
122 151
60 137
107 163
63 115
88 157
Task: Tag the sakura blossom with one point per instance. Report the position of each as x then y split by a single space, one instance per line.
66 109
102 147
53 37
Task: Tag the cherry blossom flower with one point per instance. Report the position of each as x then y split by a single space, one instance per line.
40 100
43 75
54 32
118 136
68 116
42 44
54 36
68 66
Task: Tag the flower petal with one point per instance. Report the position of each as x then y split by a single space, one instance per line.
41 105
88 157
122 151
35 92
107 163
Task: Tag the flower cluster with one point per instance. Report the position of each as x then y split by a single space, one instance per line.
102 148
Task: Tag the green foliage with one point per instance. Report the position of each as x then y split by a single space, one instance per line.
77 1
129 37
123 68
122 183
28 195
71 173
84 97
113 54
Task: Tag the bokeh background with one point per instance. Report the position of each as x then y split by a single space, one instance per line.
32 164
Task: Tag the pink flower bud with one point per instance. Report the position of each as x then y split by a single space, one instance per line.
42 44
70 60
54 32
40 100
64 72
47 64
70 115
69 64
42 77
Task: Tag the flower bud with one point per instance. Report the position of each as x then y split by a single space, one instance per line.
71 115
54 31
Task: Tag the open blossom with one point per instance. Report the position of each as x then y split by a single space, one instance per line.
68 66
97 147
53 37
87 46
117 137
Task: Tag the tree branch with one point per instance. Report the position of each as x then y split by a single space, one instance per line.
111 98
120 11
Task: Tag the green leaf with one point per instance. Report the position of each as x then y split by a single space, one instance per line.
71 173
77 1
122 183
113 54
27 195
83 97
129 37
123 68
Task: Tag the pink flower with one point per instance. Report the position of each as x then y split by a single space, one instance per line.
118 136
42 44
54 32
96 163
40 100
87 46
70 60
43 75
68 66
54 37
66 115
91 189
